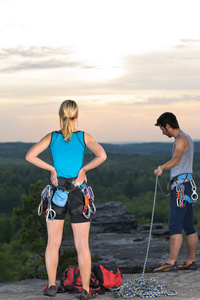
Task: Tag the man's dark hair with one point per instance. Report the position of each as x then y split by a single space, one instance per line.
167 118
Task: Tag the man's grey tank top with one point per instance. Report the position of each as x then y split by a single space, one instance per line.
186 163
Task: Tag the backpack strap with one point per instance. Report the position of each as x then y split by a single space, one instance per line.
76 275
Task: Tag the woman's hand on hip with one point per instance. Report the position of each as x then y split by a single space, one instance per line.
54 179
81 178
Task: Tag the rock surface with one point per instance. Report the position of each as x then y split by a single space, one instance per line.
113 217
128 251
185 283
116 238
115 241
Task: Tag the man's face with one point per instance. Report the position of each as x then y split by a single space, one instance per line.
165 131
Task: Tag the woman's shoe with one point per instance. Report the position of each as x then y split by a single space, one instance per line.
50 291
85 295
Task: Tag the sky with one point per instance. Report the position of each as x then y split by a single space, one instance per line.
124 62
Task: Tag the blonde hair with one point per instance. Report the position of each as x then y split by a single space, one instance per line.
68 111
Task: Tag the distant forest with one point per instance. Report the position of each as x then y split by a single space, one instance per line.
153 148
126 176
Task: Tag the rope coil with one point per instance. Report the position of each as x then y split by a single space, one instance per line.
148 288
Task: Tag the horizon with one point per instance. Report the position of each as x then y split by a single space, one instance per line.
110 143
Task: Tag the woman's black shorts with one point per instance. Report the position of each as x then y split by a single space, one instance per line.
74 205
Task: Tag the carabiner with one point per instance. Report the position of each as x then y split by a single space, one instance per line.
183 201
93 208
40 208
90 192
89 202
180 200
86 212
50 213
194 196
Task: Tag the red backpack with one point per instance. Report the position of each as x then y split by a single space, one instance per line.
101 279
109 275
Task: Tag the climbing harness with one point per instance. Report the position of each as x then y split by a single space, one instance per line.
149 288
45 203
89 206
59 196
182 196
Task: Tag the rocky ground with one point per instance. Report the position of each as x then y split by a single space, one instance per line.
184 283
116 238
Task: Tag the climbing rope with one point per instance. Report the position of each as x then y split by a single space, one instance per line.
166 195
148 288
151 225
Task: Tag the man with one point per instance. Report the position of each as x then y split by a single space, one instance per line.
183 193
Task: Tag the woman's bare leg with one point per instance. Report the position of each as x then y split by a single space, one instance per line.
55 230
81 240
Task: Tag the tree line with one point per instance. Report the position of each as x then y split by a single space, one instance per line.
125 178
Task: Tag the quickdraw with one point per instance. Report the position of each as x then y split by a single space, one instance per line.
45 194
180 199
89 206
45 203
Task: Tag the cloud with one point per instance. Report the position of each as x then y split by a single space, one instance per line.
34 52
188 43
176 69
39 65
143 76
167 101
39 58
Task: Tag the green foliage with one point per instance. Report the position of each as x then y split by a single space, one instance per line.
9 227
34 267
15 181
34 230
125 178
12 258
34 234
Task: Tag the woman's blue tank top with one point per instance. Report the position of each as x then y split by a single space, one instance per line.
67 157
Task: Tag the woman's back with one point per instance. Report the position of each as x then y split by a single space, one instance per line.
67 157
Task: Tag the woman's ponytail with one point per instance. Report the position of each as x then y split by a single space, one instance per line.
68 112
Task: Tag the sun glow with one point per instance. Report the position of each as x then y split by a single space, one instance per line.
124 62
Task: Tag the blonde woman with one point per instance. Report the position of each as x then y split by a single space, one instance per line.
67 148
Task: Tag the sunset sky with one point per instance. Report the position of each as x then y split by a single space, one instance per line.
123 61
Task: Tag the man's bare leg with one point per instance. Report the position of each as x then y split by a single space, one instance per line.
192 244
174 248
